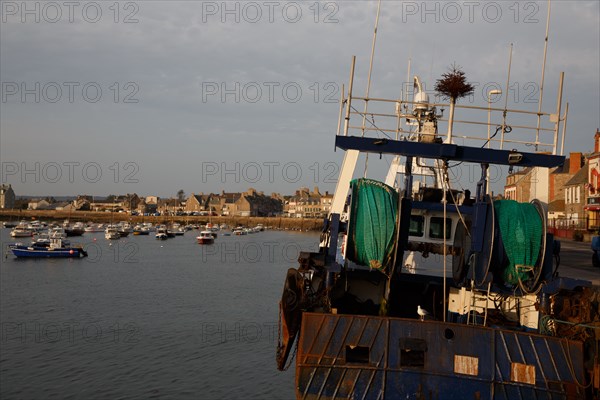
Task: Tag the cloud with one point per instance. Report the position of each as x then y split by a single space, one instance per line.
215 84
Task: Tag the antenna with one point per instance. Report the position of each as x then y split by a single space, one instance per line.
537 132
506 101
371 67
369 80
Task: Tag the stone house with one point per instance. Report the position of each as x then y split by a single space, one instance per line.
228 203
576 199
197 203
307 204
257 204
518 185
7 197
592 207
38 204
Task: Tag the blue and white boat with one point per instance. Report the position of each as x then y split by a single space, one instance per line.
500 321
56 249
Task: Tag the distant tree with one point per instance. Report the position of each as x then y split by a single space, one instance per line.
453 86
180 195
110 198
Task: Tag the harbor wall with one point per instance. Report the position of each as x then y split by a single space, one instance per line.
283 223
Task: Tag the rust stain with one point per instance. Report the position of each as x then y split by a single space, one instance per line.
522 373
466 365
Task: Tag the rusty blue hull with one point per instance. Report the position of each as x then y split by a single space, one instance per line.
370 357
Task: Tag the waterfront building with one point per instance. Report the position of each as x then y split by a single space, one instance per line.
7 197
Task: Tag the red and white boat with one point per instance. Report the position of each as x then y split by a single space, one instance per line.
205 237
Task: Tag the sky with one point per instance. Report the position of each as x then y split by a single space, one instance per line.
156 96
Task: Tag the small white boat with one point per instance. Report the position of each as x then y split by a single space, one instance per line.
22 230
112 232
239 231
206 237
94 228
162 233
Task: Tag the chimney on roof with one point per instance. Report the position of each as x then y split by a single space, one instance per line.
574 163
597 141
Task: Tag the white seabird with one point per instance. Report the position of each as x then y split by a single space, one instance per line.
422 313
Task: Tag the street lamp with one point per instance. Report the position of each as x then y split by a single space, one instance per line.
489 101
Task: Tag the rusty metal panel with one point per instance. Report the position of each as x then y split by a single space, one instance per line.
341 356
531 366
345 356
444 341
466 365
522 373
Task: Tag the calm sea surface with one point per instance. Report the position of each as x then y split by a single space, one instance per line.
141 318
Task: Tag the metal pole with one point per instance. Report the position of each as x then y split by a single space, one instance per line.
506 99
348 106
564 132
491 92
537 133
444 202
341 111
369 82
371 67
558 106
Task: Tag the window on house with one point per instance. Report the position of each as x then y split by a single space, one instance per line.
577 193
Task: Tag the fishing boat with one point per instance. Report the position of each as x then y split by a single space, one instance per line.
55 249
206 237
162 233
239 231
124 229
176 229
43 239
76 229
22 229
140 230
421 291
112 232
21 232
92 228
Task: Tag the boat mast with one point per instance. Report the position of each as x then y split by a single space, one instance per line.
369 80
506 102
539 118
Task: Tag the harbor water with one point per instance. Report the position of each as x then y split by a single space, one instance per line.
142 318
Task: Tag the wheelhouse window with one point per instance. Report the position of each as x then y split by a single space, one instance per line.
416 225
436 227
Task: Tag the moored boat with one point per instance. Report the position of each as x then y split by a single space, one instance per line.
487 318
76 229
22 229
162 233
55 249
141 230
239 231
206 237
92 228
21 232
112 232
